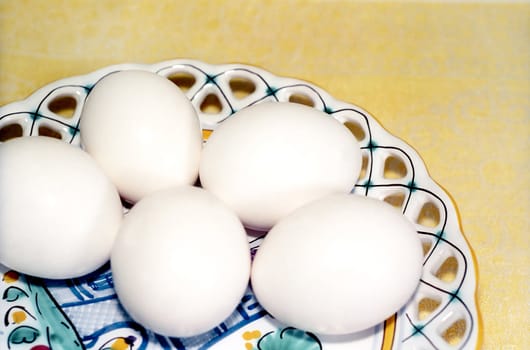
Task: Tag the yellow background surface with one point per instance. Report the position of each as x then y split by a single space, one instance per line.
452 80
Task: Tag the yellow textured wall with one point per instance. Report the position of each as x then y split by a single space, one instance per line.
451 79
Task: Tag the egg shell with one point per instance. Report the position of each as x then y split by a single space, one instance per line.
269 159
181 262
59 213
338 265
143 131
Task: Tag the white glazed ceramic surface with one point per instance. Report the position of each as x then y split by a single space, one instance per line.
84 313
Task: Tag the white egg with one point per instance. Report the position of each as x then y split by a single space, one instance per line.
59 213
338 265
269 159
181 262
143 131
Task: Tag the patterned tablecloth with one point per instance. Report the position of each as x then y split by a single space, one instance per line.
452 80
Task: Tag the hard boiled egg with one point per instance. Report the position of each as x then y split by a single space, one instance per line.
143 131
181 262
59 213
269 159
338 265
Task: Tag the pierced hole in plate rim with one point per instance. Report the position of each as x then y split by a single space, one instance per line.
206 134
49 132
356 129
211 104
429 215
364 166
302 99
10 131
455 333
63 105
396 200
426 246
183 80
241 87
426 307
394 168
448 270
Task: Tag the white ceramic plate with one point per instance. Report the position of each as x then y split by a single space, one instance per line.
85 313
